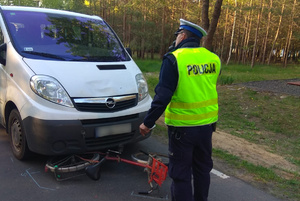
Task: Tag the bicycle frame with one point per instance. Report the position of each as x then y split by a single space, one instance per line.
157 171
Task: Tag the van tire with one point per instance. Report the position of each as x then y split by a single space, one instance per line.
17 135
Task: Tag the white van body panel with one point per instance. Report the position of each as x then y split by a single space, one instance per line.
46 110
16 76
84 79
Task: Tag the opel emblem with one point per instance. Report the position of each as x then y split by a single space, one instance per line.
110 103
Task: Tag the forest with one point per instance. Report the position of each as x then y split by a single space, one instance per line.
247 32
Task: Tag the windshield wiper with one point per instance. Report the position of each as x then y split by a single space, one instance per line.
101 58
43 54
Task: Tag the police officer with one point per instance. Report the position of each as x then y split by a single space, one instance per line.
187 93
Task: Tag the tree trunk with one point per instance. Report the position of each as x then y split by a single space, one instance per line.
183 9
240 47
287 47
232 33
143 48
207 43
289 37
205 18
256 34
237 44
129 31
200 13
248 22
267 33
124 28
224 34
277 32
241 38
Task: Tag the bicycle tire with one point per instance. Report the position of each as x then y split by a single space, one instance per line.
71 163
143 158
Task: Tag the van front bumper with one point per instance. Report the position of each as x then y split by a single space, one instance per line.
59 137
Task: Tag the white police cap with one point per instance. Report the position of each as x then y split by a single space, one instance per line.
194 28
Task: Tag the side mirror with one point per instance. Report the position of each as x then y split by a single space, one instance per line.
3 49
129 51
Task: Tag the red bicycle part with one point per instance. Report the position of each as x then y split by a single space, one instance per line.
158 172
158 169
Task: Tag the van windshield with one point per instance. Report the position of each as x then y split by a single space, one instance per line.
52 36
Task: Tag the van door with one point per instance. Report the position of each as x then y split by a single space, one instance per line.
2 76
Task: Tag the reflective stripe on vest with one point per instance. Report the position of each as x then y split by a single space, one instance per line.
195 101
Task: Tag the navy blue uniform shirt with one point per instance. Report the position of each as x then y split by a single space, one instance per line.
168 79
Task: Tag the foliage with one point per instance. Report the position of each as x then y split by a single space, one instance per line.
55 4
20 2
148 26
226 80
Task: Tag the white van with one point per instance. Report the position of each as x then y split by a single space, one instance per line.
67 85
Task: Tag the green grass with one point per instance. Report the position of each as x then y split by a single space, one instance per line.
148 65
262 118
241 73
237 73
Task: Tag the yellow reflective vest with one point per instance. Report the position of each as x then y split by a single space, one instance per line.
195 100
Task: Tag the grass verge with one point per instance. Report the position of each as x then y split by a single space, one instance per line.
263 177
262 118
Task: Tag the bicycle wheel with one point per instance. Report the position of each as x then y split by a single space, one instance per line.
72 163
144 158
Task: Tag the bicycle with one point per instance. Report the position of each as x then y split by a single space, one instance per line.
155 164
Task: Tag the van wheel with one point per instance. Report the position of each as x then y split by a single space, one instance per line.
17 136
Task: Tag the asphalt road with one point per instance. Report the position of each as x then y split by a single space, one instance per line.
27 181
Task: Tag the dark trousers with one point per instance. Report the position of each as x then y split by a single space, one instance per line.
190 164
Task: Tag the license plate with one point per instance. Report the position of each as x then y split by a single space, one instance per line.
113 130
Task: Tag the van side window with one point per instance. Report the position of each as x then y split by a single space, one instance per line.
1 37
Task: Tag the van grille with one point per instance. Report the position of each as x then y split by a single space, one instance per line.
105 104
122 119
108 141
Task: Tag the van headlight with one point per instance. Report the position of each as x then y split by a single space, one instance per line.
50 89
142 86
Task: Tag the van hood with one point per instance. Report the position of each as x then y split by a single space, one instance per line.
90 79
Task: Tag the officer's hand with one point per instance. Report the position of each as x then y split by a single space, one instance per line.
144 129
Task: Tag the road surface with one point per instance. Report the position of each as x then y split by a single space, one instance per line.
27 180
